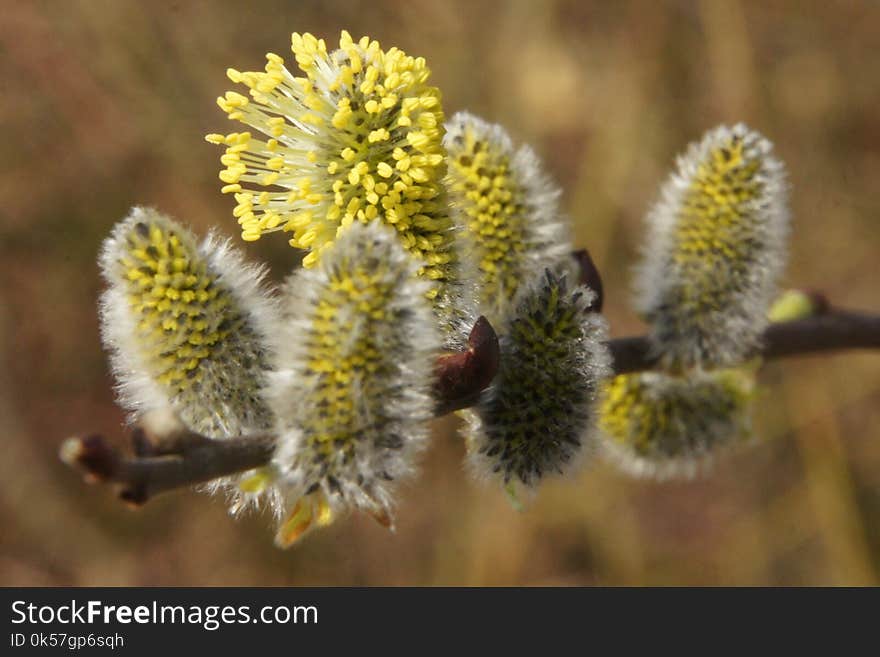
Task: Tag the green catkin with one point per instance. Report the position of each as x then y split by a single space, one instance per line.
536 417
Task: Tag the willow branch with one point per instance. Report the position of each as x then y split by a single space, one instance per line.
143 476
836 330
165 460
162 463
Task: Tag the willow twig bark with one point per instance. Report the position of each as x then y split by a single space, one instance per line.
161 463
834 331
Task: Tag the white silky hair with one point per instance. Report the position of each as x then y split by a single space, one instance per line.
729 334
547 234
409 340
140 394
584 364
707 433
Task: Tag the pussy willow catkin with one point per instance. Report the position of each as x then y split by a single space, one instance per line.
186 326
654 424
536 417
715 247
353 394
509 208
356 138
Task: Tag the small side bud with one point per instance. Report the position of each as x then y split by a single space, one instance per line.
537 415
460 377
90 455
588 274
656 425
716 245
353 393
797 304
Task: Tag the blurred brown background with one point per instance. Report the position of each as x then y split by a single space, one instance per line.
105 104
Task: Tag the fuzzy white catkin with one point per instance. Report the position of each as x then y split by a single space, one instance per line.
715 248
508 209
657 425
536 418
186 326
353 393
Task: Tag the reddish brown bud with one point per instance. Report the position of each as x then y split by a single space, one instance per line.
91 455
461 377
589 276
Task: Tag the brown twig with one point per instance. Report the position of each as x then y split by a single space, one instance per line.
835 330
142 477
162 463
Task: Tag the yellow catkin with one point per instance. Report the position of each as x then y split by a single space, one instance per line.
508 208
187 327
657 424
715 248
359 343
358 137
